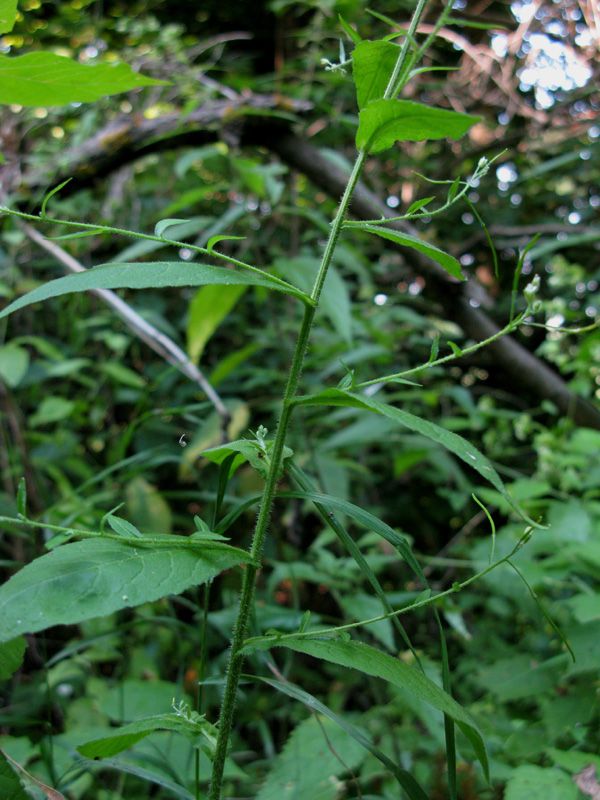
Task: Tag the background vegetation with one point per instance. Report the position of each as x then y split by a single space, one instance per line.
245 140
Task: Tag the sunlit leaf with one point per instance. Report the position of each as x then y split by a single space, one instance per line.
383 122
47 79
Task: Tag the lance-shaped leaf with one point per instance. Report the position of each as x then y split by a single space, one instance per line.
94 577
451 441
445 260
195 728
155 275
384 122
364 658
372 65
46 79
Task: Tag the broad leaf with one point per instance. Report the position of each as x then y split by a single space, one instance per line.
357 655
152 275
46 79
384 122
445 260
8 13
195 728
95 577
10 785
404 778
451 441
328 750
373 64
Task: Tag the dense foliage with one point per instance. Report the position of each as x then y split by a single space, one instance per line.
234 142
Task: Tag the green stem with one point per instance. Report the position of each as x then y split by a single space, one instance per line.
236 658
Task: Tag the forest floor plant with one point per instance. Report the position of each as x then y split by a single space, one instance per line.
118 566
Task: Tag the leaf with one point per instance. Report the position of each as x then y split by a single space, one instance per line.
404 778
528 782
373 64
445 260
11 658
328 750
145 775
364 658
455 349
147 507
95 577
151 275
14 363
418 204
10 785
352 34
162 225
208 309
46 79
247 450
122 527
384 122
451 441
215 239
8 14
12 789
194 727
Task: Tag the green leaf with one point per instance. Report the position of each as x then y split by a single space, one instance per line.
373 64
122 527
46 79
328 750
364 658
8 14
247 450
207 310
145 775
11 658
448 262
404 778
95 577
216 239
418 204
10 785
194 727
528 782
51 409
152 275
451 441
384 122
352 34
14 363
455 349
162 225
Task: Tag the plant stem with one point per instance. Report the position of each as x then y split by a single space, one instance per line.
236 658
